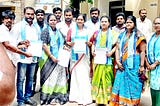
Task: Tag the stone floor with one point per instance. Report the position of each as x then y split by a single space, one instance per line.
145 99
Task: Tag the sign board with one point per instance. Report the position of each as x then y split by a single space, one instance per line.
48 1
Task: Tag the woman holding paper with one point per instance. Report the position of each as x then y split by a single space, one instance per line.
130 55
80 88
102 50
53 75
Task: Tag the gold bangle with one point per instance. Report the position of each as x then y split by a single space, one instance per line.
118 60
141 65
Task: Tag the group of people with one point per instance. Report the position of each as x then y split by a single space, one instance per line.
105 62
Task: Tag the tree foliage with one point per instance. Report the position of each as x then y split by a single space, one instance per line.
79 1
89 1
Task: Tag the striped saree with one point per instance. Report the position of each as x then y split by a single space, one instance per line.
127 87
103 73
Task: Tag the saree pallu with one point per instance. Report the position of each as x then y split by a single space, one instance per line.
127 87
54 82
80 89
102 83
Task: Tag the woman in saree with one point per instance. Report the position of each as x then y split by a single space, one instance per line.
53 75
130 55
103 73
80 88
154 63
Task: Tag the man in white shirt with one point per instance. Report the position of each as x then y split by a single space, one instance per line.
118 28
7 71
63 27
6 36
93 24
26 33
58 12
40 21
40 26
144 24
120 23
68 23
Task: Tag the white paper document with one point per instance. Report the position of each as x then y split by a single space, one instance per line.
63 57
35 48
100 57
79 46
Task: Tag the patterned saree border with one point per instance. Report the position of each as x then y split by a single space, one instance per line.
117 100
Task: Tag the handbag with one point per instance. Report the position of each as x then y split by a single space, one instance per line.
142 76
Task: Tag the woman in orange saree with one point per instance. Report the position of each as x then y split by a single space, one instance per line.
130 56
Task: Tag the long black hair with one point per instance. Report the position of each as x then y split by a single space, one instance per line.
83 16
109 20
49 15
133 18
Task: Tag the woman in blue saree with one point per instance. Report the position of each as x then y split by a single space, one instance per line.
154 61
130 56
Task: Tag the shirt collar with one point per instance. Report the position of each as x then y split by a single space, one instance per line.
5 27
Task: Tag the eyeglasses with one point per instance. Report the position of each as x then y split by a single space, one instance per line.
158 23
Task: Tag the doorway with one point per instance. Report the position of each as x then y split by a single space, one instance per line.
116 6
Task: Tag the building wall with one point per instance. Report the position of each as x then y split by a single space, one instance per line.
20 4
103 6
48 7
84 8
152 6
29 2
158 12
14 4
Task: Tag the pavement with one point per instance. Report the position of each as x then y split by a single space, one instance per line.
145 98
